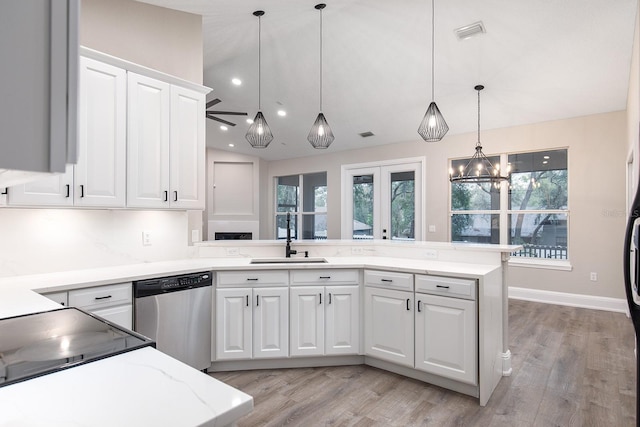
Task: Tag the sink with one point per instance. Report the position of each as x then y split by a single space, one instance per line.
288 260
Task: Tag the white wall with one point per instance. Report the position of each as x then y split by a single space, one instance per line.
597 156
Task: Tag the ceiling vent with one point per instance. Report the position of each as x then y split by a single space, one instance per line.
366 134
468 31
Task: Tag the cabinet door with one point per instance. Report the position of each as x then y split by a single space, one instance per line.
147 142
55 190
307 320
3 196
59 297
100 171
271 322
187 149
342 333
446 337
233 324
121 315
388 325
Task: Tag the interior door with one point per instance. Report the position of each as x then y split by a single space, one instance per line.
383 202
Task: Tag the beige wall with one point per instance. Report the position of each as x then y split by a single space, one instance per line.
597 155
633 105
165 40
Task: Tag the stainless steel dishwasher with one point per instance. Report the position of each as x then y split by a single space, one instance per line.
176 313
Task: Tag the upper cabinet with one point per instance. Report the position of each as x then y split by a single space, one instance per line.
166 145
38 126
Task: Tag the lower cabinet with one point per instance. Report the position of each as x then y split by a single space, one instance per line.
388 319
252 323
445 341
324 320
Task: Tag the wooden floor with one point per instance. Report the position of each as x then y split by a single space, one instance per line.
571 367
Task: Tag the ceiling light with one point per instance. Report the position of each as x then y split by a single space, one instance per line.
544 162
249 121
433 126
259 134
468 31
320 135
282 113
236 81
223 127
546 157
231 145
479 169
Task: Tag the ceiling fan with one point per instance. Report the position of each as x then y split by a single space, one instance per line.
211 114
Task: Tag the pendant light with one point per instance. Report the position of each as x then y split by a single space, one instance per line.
433 127
320 135
479 168
259 135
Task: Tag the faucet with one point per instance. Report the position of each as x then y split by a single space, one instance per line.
288 251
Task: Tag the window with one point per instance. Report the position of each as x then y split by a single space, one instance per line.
534 212
305 198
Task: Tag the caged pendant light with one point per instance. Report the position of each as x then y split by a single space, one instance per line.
320 135
433 127
479 169
259 134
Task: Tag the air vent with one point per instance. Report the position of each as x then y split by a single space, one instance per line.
366 134
469 31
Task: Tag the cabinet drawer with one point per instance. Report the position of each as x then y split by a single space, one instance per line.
102 296
321 277
253 278
387 279
449 286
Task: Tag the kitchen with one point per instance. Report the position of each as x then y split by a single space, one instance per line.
50 240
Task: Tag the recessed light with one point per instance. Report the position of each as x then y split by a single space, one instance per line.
236 81
223 127
231 145
250 121
282 113
545 162
546 157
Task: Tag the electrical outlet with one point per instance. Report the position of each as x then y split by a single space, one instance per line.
431 254
232 251
432 229
594 277
356 250
146 238
195 235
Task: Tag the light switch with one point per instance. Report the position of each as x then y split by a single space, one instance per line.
432 229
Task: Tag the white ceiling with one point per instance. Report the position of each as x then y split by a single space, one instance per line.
539 60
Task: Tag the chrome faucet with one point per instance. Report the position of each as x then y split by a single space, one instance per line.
288 251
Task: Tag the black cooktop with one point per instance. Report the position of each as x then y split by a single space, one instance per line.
41 343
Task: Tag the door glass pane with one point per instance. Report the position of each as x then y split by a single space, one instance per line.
314 226
403 205
542 235
363 207
287 193
281 227
475 228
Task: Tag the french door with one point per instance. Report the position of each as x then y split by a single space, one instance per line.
382 201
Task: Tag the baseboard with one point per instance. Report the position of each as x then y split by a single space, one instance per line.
617 305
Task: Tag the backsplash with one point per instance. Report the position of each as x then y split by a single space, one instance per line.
48 240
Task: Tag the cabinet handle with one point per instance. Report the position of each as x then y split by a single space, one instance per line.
386 280
68 190
257 300
325 277
329 298
320 297
166 196
419 302
252 279
408 301
5 191
105 297
442 286
175 196
247 300
81 190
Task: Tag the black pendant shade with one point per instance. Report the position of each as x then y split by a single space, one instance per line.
433 127
259 134
320 135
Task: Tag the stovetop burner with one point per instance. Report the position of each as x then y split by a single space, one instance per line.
41 343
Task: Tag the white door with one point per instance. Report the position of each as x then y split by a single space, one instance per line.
187 152
388 325
383 202
307 320
270 322
342 324
148 124
446 337
100 171
56 190
233 323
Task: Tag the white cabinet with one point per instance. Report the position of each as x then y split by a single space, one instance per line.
59 297
388 319
98 179
38 87
325 312
446 337
111 302
166 145
3 196
252 323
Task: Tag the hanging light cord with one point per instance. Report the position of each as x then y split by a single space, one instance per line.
478 143
259 62
321 60
433 43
